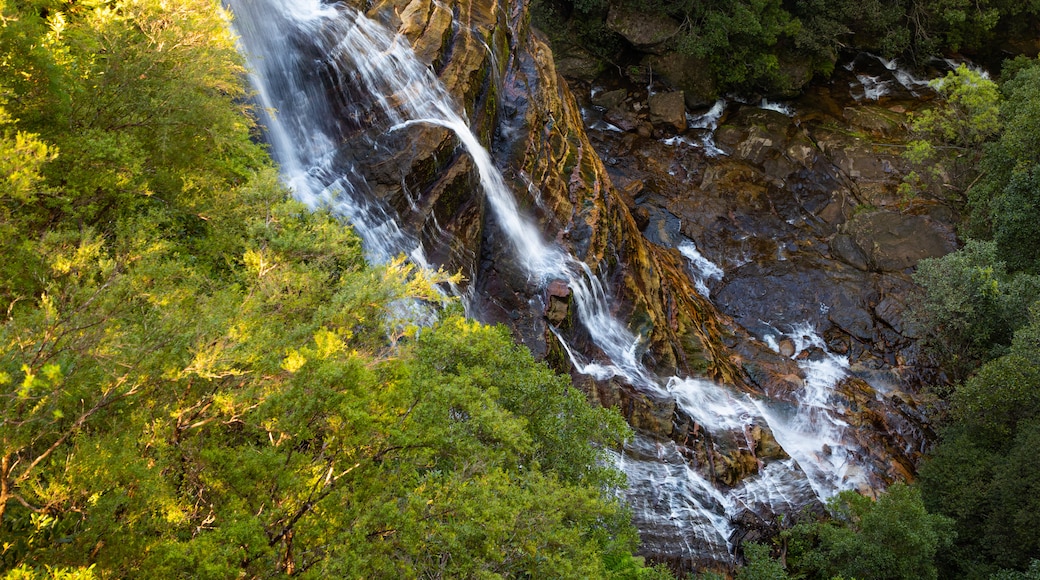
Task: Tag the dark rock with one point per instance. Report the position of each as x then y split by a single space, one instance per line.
894 241
645 29
876 120
853 320
580 65
624 120
796 70
668 109
891 311
689 74
846 250
610 99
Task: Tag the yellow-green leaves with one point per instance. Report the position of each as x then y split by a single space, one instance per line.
21 158
294 361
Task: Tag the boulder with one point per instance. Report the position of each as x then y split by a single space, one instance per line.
610 99
893 242
574 62
645 30
668 109
689 74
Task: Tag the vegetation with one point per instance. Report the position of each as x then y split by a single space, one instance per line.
974 512
756 45
200 378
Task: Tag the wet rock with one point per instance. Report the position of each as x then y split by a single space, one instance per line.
845 249
646 30
893 242
558 301
878 121
610 99
577 63
787 348
643 411
891 311
766 446
796 71
624 120
853 320
668 109
758 136
689 74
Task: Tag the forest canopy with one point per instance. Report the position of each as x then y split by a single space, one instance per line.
201 378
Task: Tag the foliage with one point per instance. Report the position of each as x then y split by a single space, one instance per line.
200 378
984 473
970 306
948 138
893 537
736 37
758 565
747 41
1006 201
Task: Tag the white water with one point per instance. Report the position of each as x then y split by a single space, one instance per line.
399 94
705 124
703 268
874 87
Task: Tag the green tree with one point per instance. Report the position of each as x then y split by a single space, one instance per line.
949 138
983 473
759 566
970 306
738 38
200 378
890 538
1005 202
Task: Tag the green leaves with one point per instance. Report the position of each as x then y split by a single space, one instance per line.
201 378
949 138
892 537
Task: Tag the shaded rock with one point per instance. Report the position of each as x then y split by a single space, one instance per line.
643 411
878 121
624 120
689 74
893 242
577 63
853 320
646 30
796 71
845 249
876 171
610 99
668 109
758 136
891 311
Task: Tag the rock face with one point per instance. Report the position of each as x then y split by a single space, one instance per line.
769 214
644 30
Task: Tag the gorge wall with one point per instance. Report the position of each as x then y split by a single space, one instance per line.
798 211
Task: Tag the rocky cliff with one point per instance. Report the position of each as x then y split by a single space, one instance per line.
782 192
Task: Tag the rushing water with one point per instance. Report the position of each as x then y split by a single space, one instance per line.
298 49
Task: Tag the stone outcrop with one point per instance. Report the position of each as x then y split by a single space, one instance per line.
624 218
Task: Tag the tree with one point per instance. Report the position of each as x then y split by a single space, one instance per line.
984 471
1005 202
949 138
970 306
890 538
201 378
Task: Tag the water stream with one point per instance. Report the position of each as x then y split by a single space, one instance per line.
299 49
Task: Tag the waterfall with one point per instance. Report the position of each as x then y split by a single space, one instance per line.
299 49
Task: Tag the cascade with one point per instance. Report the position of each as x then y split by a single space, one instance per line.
298 49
